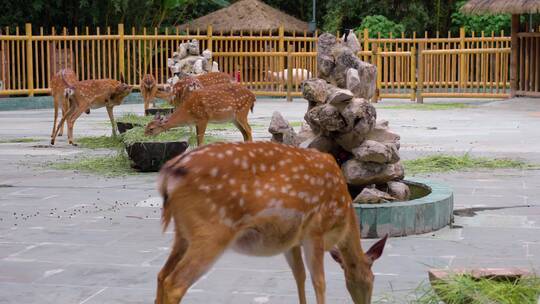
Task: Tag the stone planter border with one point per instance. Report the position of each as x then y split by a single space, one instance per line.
424 214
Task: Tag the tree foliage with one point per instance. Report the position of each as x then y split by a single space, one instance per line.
332 15
381 25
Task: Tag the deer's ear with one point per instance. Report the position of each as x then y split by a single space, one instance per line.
377 249
122 80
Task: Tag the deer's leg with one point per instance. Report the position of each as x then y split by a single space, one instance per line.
294 259
55 101
201 253
111 118
314 253
71 122
201 128
177 252
243 121
65 106
239 126
64 117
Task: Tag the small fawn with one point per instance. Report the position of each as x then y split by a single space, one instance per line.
261 199
219 103
181 89
150 91
92 94
58 93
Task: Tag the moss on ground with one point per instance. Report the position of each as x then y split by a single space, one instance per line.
445 163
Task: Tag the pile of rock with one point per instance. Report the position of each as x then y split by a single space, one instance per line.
343 123
187 60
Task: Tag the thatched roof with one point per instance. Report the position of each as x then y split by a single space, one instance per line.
246 15
502 6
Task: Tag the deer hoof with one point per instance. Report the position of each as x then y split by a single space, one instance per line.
52 142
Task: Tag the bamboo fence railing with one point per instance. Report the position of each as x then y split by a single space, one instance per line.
415 67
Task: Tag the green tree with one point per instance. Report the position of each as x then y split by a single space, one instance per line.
380 24
479 23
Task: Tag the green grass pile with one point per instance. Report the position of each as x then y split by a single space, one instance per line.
464 289
427 106
137 135
101 142
445 163
135 119
116 164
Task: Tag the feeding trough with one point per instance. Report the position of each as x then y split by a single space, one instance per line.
150 156
149 153
130 121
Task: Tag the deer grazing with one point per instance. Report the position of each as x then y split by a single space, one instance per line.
181 89
150 91
218 103
261 199
92 94
58 93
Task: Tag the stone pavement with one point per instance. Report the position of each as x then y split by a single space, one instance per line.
68 237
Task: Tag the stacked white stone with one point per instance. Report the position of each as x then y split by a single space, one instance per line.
187 61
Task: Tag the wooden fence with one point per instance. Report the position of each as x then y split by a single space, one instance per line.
416 67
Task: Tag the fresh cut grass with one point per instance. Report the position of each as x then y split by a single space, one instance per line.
464 289
427 106
116 164
446 163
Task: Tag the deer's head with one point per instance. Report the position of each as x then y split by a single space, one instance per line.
156 126
148 81
359 277
122 89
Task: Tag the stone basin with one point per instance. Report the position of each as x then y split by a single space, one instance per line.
430 208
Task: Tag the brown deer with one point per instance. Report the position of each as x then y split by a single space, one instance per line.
92 94
261 199
181 88
219 103
58 93
150 91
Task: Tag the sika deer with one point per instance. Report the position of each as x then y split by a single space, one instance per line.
150 91
58 93
181 89
261 199
92 94
219 103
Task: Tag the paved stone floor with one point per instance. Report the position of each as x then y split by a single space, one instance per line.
67 237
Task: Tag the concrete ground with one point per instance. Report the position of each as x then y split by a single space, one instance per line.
68 237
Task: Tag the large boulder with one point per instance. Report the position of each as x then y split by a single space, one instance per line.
399 190
315 90
366 83
336 96
361 173
320 143
325 119
382 134
344 60
351 41
374 151
281 131
372 196
325 60
193 47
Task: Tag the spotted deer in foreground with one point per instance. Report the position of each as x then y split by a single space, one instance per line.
261 199
92 94
218 103
60 96
181 89
150 91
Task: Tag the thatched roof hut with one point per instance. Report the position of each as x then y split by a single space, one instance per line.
502 6
523 79
248 15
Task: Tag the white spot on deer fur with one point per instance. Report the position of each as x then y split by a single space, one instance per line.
258 193
241 202
232 181
243 188
214 172
245 164
222 212
263 167
229 152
